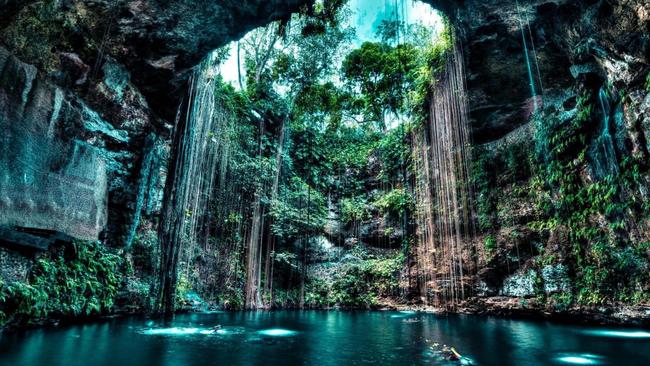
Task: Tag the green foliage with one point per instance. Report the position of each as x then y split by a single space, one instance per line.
429 66
516 163
232 101
361 285
647 83
287 259
562 301
300 210
183 288
351 289
317 294
24 302
322 105
483 176
336 144
309 60
143 251
591 213
490 244
394 31
39 33
490 171
82 280
350 149
354 210
232 299
395 153
231 289
382 74
395 202
558 141
356 285
320 16
310 148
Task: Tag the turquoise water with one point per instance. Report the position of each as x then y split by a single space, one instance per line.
323 338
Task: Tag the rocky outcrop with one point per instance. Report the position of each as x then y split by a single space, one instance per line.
611 38
519 307
591 64
156 41
48 180
65 167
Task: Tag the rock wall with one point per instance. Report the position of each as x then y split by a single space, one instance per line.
594 60
65 167
612 37
157 41
101 81
48 180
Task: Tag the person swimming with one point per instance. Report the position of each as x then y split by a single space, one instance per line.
216 328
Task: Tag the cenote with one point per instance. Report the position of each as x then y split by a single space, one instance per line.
275 175
323 338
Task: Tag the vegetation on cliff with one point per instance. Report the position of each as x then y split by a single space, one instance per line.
578 208
77 280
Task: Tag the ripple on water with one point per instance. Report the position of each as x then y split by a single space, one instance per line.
277 332
172 331
579 359
230 330
618 333
181 331
404 314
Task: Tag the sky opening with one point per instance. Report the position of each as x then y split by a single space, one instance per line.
365 16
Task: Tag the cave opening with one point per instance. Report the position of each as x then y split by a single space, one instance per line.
295 162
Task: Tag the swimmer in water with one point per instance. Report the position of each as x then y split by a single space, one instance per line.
216 328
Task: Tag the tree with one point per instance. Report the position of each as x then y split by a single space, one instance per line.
379 74
299 211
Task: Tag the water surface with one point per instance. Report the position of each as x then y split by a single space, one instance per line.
323 338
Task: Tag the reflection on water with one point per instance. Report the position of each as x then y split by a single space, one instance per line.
180 331
173 331
323 338
618 333
404 314
580 359
277 332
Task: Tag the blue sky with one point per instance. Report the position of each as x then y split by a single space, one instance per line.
366 16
